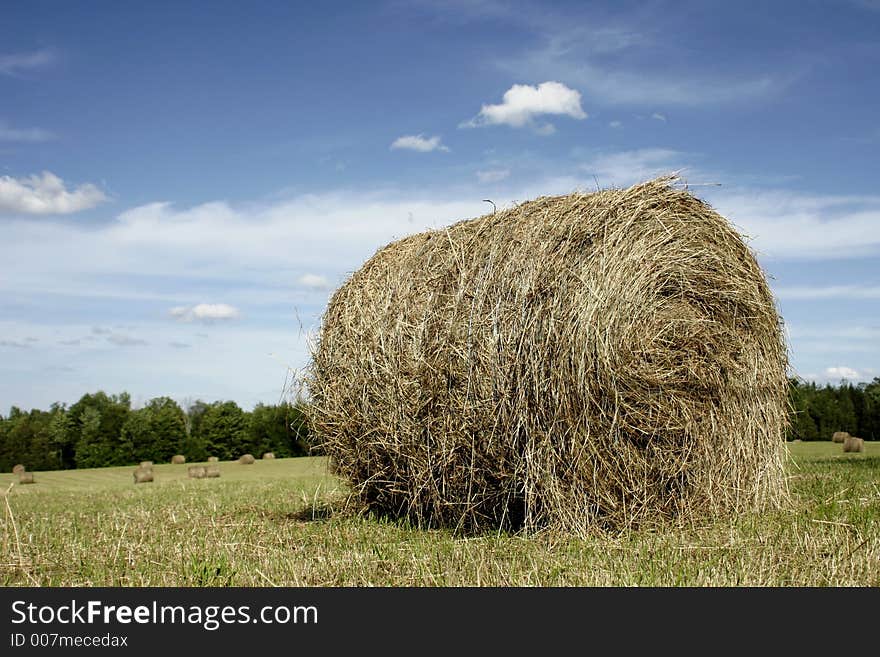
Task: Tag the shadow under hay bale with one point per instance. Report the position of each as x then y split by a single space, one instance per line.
839 436
178 459
143 475
18 468
25 477
581 361
213 459
268 455
853 444
196 471
212 471
247 459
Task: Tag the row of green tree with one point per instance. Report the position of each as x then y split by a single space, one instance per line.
102 430
819 411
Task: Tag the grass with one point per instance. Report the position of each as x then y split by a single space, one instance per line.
272 523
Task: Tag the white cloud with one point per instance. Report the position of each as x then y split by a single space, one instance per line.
615 124
8 133
522 103
624 168
121 340
205 312
418 143
13 64
492 175
314 281
657 116
828 292
842 372
46 194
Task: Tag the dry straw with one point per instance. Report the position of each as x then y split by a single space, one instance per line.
268 455
143 475
853 444
146 464
246 459
25 477
196 471
213 459
18 468
178 459
580 361
839 436
212 471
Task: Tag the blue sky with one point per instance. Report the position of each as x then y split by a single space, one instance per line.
182 186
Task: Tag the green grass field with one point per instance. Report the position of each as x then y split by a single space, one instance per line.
272 523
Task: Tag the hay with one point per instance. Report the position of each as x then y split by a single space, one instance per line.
25 477
246 459
212 471
146 464
853 444
18 468
268 455
143 475
581 361
213 459
839 436
196 471
178 459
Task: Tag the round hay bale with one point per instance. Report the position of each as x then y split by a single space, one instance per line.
18 468
196 471
146 464
580 361
853 444
246 459
213 459
212 471
25 477
839 436
178 459
143 475
268 455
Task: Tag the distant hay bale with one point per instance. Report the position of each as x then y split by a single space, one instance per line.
143 475
196 471
146 464
18 468
178 459
839 436
25 477
853 444
212 471
798 440
268 455
246 459
213 459
580 361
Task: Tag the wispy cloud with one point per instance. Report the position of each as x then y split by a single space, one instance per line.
418 143
314 281
15 344
121 340
615 124
46 194
33 135
17 63
622 168
828 292
522 104
205 312
657 116
492 175
179 345
843 372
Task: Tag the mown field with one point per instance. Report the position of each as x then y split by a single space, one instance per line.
274 523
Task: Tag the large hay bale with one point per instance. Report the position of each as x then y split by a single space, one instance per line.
212 471
143 475
246 459
213 459
268 455
18 468
853 444
25 477
146 464
839 436
196 471
178 459
581 361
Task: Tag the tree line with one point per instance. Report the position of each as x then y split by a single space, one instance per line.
103 430
819 411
